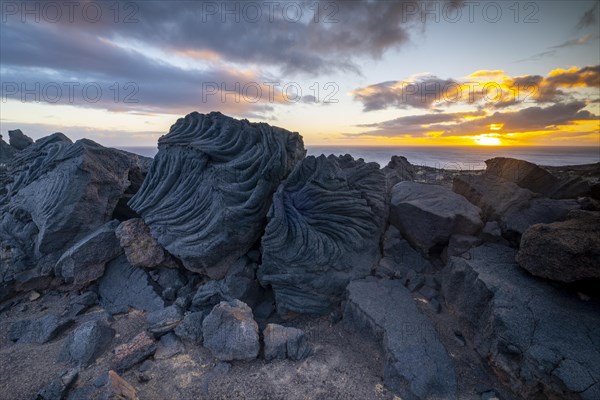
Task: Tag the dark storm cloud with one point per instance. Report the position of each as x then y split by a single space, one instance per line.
457 124
304 36
227 39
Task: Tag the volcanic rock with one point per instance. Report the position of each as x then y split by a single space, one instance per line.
210 187
540 339
564 251
427 215
230 332
417 365
324 230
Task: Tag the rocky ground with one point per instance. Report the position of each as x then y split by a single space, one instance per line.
233 267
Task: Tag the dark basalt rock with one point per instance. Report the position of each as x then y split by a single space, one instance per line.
7 153
59 192
427 215
565 251
40 330
84 262
538 179
230 332
124 286
209 189
285 342
540 339
515 208
133 352
18 140
398 170
417 365
87 343
324 230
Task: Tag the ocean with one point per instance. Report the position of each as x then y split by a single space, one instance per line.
457 158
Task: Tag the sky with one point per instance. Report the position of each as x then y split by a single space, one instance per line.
356 72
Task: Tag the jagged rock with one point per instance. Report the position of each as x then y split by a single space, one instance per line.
81 303
537 179
240 283
109 386
399 257
540 339
168 346
87 343
525 174
427 215
324 230
124 286
513 207
18 140
141 249
459 245
190 327
40 330
398 170
58 388
209 189
84 262
165 320
59 192
135 351
285 342
417 365
491 232
7 153
564 251
230 332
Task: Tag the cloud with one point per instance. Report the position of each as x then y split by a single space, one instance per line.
576 42
479 122
295 36
589 18
486 89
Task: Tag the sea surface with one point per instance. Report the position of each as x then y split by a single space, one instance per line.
457 158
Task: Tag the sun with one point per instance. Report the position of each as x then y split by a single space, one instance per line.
488 140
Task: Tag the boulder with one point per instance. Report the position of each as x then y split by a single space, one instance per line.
141 249
210 186
230 332
87 343
398 170
399 257
39 330
538 179
324 230
285 342
7 153
81 303
539 339
18 140
124 286
427 215
417 365
165 320
525 174
190 327
133 352
515 208
58 388
59 192
85 261
564 251
240 283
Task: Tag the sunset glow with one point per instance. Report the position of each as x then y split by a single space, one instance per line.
412 82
